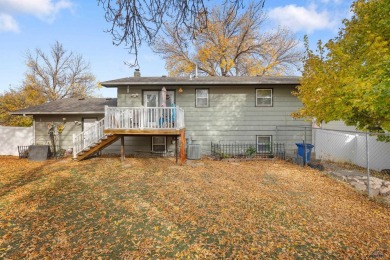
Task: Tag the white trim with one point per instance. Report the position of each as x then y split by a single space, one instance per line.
267 143
207 97
159 144
271 98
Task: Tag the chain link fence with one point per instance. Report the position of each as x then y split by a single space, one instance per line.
291 136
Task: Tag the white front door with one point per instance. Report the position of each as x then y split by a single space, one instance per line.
89 134
88 123
151 99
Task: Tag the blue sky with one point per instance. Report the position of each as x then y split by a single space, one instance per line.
79 25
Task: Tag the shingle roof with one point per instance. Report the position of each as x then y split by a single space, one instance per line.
203 81
69 106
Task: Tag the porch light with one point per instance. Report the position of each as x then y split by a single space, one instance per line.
180 90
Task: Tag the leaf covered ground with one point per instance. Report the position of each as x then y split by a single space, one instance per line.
144 208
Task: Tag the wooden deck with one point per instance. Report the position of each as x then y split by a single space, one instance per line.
166 132
131 121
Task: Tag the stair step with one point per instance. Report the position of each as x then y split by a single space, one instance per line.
97 146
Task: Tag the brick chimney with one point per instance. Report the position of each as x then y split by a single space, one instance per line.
137 73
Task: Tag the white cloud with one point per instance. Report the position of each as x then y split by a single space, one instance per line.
8 23
331 1
43 9
298 18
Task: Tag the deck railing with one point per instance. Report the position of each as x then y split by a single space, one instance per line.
144 118
88 137
129 118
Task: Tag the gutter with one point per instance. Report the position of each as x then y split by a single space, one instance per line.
123 83
27 113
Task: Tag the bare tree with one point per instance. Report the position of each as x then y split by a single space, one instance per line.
61 74
233 43
133 22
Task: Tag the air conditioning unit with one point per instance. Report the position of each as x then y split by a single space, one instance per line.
193 152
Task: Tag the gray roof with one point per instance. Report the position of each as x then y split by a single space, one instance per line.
202 81
69 106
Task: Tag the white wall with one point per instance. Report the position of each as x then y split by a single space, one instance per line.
341 146
338 125
11 137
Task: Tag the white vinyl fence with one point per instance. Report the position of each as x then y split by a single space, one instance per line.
11 137
349 146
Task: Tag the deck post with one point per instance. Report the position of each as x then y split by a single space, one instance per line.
176 148
122 148
182 146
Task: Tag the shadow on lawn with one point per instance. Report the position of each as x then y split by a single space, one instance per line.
30 176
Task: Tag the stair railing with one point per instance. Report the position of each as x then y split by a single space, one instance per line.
88 137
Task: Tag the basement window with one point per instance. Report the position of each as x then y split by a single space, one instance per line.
263 143
159 143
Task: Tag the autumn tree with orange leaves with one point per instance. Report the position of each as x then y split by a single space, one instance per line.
232 43
15 99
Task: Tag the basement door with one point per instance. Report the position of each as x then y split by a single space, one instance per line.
89 135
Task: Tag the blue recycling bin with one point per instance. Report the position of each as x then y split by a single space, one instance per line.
302 148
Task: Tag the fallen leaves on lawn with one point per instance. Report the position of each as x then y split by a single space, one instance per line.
146 208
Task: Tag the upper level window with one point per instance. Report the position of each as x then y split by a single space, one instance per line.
154 98
202 98
264 97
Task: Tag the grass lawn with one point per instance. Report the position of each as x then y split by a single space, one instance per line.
209 209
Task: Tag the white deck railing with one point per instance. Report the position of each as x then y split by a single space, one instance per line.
129 118
144 118
88 137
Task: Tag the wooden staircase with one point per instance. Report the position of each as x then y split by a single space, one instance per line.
96 147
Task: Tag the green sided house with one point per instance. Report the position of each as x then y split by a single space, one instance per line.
76 115
162 114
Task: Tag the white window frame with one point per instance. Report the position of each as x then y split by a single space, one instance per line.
207 97
171 94
269 150
270 98
155 143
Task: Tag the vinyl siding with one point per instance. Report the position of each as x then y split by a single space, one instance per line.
136 144
232 115
66 137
